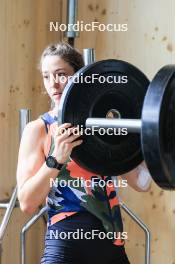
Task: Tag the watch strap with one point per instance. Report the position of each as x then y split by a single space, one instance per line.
59 165
56 164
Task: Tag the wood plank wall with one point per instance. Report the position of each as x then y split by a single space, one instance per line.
24 27
149 43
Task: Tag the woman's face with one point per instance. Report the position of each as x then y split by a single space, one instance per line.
55 73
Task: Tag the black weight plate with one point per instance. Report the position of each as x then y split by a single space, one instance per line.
105 155
158 128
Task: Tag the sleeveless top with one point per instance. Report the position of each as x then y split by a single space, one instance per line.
67 199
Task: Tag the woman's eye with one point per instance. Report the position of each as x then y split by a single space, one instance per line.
61 74
45 76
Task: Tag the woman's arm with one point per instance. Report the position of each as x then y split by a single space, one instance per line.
139 178
33 175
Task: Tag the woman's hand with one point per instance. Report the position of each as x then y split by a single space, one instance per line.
139 178
65 140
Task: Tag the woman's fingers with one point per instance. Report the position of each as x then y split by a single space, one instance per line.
71 138
62 128
76 143
65 140
70 133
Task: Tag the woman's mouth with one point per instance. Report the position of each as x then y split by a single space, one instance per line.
57 95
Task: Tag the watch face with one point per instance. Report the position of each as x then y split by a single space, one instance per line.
51 162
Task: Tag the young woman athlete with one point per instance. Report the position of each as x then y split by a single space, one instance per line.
89 212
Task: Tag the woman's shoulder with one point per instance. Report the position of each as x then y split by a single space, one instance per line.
34 135
35 129
36 124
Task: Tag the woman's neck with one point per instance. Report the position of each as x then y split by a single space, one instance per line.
54 111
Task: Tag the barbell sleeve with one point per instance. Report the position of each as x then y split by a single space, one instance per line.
89 56
132 125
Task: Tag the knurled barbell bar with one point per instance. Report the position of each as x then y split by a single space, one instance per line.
138 105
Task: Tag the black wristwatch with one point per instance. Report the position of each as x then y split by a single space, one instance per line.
51 162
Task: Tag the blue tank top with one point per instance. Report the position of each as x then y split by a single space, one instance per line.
65 199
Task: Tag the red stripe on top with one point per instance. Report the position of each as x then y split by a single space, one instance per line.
60 216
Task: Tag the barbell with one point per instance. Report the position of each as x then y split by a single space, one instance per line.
146 110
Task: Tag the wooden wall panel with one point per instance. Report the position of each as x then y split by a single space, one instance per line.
149 43
24 27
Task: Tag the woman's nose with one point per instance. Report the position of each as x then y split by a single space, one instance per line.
54 81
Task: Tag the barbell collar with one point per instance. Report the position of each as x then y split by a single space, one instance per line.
132 125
